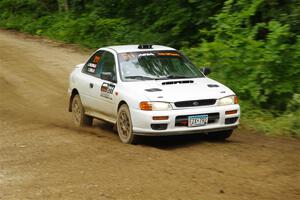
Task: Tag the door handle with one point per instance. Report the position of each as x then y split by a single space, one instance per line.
91 85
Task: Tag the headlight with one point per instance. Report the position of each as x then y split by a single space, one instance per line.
230 100
155 106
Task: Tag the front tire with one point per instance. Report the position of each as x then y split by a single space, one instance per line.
124 126
79 118
220 135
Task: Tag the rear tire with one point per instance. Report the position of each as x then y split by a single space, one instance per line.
80 119
124 126
220 135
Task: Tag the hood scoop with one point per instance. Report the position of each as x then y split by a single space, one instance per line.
177 82
153 90
212 85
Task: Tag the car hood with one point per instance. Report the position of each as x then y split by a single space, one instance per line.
180 89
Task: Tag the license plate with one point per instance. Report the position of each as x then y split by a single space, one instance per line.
197 120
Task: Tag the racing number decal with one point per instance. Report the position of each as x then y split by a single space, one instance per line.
107 90
92 65
96 59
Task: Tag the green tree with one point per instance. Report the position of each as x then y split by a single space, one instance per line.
258 69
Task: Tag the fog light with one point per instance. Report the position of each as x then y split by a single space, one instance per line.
160 117
159 126
230 112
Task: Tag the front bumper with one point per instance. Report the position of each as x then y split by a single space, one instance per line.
142 120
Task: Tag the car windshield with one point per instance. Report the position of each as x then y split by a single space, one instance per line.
156 65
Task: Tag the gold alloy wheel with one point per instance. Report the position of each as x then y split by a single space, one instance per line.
79 118
124 126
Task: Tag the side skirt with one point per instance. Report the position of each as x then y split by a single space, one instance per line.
101 116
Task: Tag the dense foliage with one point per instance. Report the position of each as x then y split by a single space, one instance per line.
252 45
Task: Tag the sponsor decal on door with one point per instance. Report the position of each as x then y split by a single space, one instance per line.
107 90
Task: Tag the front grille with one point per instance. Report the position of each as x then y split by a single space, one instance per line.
193 103
182 120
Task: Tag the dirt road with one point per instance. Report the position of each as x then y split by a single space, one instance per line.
43 157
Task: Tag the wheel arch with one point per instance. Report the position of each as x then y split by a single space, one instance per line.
121 103
73 93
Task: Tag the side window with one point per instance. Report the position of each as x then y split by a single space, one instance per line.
92 63
106 69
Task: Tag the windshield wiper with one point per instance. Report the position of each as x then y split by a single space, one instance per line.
172 77
176 76
139 77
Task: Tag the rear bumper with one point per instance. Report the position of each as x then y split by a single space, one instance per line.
142 121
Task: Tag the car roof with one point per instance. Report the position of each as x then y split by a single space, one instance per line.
134 48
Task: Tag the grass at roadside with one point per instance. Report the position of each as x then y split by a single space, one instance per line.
264 121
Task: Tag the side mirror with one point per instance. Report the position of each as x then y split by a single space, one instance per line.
108 76
205 70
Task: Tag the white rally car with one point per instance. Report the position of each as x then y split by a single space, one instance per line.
150 90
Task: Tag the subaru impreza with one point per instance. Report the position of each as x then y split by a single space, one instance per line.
150 90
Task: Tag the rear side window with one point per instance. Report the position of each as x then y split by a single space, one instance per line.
101 65
92 63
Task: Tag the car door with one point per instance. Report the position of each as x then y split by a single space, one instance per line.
104 83
87 76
